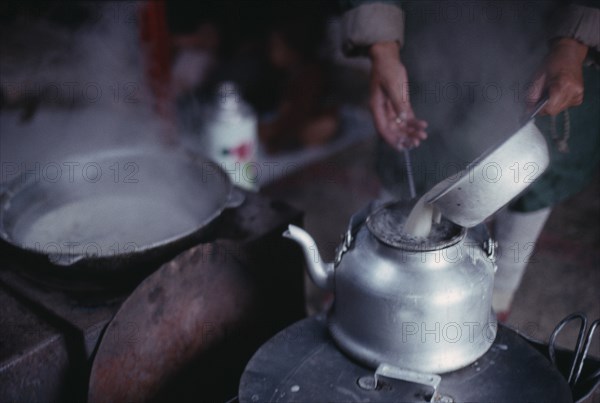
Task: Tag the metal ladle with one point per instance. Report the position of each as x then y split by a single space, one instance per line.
495 178
409 173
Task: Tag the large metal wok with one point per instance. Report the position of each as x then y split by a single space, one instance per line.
115 215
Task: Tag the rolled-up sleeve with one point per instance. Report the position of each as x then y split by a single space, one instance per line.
370 23
581 23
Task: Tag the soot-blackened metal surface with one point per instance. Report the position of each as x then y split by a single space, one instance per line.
48 337
185 307
302 364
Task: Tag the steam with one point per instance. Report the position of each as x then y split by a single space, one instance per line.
88 83
471 63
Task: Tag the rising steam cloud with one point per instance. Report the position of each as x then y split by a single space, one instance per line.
86 82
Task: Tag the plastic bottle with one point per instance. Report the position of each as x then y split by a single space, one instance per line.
230 136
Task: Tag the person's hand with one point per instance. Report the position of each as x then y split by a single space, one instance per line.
560 77
394 118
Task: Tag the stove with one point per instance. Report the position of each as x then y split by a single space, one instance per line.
303 364
52 337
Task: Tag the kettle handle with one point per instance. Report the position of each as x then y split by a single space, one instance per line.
402 374
481 234
356 221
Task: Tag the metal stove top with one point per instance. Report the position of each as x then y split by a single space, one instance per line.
302 364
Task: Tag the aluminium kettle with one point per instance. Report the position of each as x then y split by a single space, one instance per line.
419 306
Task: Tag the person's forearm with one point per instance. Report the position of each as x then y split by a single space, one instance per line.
561 76
384 49
570 49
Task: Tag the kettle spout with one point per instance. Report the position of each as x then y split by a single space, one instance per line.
320 272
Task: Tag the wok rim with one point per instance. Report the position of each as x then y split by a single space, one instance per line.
18 184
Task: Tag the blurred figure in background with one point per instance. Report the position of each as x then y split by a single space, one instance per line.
303 117
271 50
449 50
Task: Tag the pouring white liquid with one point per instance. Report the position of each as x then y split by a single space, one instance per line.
418 223
423 214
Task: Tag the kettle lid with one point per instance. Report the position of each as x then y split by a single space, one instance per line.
386 225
